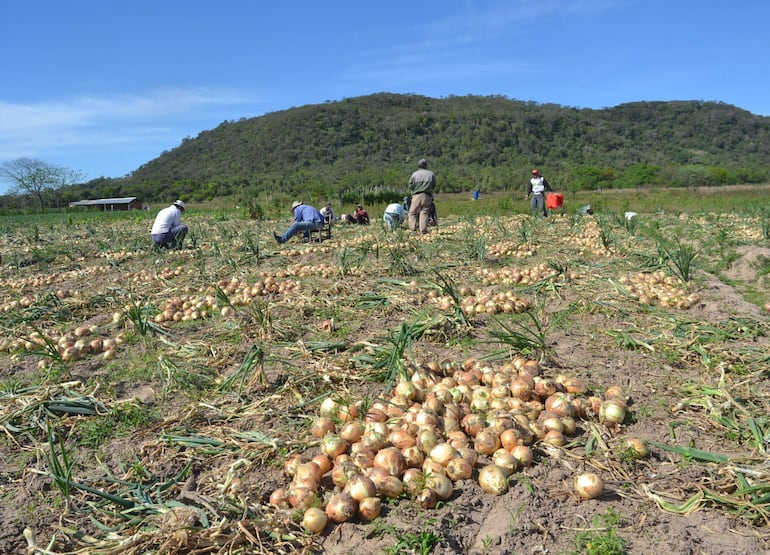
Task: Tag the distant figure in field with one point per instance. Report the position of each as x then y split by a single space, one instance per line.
168 231
360 216
327 211
394 215
422 183
306 219
536 188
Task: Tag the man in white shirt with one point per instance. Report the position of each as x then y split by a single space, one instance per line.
394 215
168 230
327 212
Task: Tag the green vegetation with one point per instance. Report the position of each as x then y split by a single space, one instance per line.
364 148
603 538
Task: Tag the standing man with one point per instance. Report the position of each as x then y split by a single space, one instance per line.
168 230
536 189
306 219
422 183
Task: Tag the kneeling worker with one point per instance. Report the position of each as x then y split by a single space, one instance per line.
168 230
394 215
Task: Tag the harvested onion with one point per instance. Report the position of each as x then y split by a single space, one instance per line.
492 479
314 520
341 507
588 485
370 507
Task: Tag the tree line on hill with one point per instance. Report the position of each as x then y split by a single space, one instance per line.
364 148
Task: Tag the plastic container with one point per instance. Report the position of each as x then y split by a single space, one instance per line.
554 200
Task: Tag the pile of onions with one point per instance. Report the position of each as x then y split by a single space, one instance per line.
659 288
447 423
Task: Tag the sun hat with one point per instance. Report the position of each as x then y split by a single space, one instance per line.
295 204
179 204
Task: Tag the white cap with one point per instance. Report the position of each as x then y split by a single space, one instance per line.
295 204
179 203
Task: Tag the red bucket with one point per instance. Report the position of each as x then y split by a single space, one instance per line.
554 200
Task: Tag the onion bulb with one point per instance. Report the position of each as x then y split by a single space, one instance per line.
341 507
314 520
333 445
459 469
487 441
440 484
443 453
370 507
352 431
506 461
360 487
391 460
280 498
637 447
588 485
413 480
427 498
291 463
523 454
492 479
612 411
322 426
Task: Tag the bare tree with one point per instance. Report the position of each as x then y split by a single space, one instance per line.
37 178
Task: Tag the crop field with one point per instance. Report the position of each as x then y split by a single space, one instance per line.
505 384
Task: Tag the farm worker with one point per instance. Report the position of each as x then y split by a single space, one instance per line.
168 230
394 215
306 219
422 183
536 188
360 216
327 211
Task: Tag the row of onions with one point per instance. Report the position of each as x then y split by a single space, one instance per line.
448 423
534 274
482 302
659 288
71 346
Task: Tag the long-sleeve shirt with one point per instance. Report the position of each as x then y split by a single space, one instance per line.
166 220
422 181
396 211
305 213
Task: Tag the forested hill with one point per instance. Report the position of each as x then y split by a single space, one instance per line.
372 143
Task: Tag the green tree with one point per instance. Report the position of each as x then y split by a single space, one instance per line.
37 178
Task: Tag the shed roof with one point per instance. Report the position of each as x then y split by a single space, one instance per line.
99 201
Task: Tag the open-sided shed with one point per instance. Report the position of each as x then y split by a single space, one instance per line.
110 204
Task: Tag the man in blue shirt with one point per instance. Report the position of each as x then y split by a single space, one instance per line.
306 219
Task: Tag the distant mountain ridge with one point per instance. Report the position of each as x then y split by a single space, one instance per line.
371 143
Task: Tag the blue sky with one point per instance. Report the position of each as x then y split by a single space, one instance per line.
104 86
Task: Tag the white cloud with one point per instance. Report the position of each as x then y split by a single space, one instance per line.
31 129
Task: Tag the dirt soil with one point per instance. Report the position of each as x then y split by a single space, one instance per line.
673 369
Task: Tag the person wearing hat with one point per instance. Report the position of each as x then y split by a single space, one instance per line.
168 231
306 219
360 216
422 183
536 189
